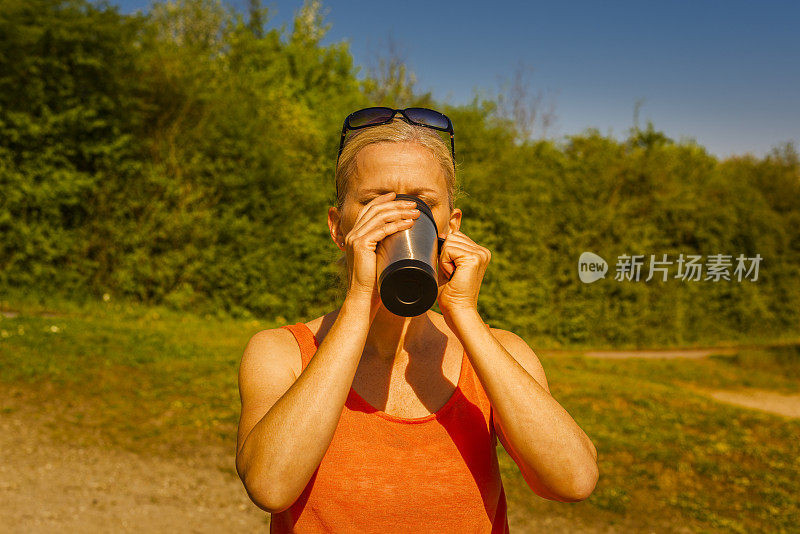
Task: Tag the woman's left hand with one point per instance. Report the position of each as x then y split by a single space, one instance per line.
464 262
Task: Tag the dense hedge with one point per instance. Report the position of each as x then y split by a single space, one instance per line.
185 156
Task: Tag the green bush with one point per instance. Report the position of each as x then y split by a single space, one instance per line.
185 157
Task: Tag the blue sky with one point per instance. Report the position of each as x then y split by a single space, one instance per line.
725 73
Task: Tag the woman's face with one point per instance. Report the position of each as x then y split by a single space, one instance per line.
400 167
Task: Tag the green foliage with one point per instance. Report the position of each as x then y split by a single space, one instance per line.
67 119
185 157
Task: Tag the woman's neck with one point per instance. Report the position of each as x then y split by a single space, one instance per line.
390 334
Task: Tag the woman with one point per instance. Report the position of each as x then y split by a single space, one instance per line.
365 421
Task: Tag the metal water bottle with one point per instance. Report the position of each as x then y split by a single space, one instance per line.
408 263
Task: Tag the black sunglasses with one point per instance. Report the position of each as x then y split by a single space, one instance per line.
364 118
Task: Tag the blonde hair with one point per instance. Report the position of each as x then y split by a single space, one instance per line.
397 131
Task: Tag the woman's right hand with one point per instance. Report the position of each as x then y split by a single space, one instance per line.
381 217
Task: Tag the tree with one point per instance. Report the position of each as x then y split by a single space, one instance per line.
531 116
390 82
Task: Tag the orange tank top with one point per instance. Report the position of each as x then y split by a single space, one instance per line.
386 474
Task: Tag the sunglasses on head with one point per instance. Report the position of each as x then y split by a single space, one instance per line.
364 118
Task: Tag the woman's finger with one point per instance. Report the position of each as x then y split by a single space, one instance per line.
379 204
374 226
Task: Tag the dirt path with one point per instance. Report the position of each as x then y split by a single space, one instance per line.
756 399
655 354
47 486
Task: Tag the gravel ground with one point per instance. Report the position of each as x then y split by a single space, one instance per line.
51 486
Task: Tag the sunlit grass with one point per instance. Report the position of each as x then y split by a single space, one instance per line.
668 456
158 381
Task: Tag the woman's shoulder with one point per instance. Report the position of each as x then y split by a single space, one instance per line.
274 348
284 344
317 328
281 345
522 352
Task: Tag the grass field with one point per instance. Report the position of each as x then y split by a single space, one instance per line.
671 460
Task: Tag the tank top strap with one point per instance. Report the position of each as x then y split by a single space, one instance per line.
305 339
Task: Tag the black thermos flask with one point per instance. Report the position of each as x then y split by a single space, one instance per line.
408 263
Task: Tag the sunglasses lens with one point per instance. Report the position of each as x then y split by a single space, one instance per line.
428 117
368 116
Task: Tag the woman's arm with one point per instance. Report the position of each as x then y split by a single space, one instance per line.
287 424
555 456
557 459
281 442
